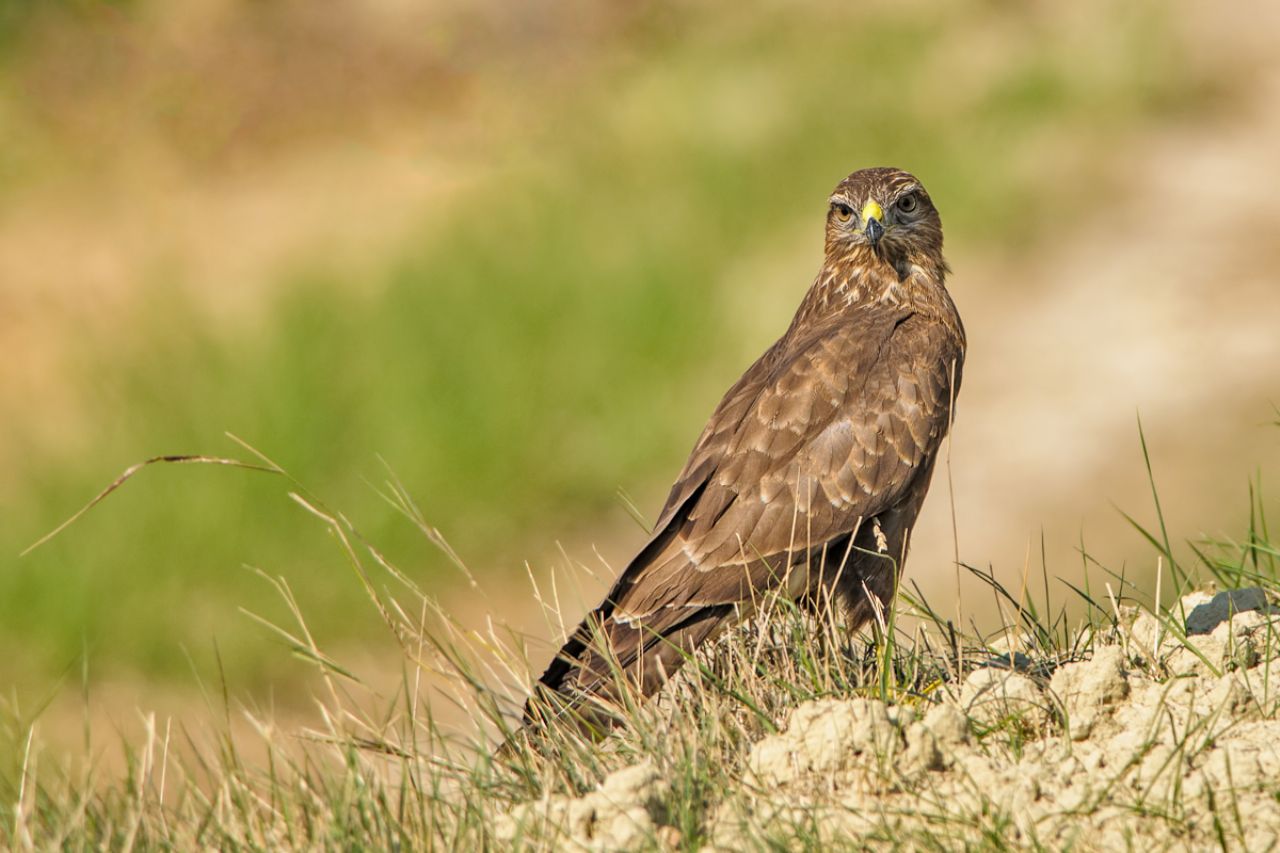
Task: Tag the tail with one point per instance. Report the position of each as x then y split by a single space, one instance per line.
607 657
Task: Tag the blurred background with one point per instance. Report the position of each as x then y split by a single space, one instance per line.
514 252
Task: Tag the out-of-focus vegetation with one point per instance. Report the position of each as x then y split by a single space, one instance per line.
556 329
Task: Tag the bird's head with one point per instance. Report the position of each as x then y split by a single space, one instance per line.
884 215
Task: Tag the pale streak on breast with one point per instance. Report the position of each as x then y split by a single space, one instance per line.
891 295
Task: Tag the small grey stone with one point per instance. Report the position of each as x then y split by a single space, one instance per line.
1204 616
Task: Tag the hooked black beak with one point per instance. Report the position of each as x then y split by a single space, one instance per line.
874 231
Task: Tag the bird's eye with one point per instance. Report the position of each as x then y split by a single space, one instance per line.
843 212
908 203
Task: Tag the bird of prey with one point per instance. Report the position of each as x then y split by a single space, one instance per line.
808 477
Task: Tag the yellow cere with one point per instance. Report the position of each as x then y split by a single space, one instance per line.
871 210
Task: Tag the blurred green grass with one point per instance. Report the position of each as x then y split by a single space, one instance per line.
559 333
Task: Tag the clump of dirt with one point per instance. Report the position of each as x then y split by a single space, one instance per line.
624 812
1153 739
1164 736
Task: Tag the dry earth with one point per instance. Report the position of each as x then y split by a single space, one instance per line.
1152 741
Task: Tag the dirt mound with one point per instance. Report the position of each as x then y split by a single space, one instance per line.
1163 736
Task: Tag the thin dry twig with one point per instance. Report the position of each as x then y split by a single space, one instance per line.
192 459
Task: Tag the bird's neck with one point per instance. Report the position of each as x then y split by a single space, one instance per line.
863 277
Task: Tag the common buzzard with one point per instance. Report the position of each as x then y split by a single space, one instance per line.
808 478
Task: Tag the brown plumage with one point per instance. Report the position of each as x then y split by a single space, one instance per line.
809 475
